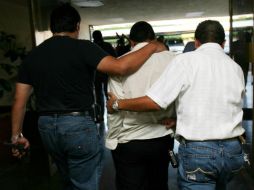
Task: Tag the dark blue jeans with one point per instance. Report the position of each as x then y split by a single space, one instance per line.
76 146
208 165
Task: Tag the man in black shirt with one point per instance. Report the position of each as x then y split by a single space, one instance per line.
60 71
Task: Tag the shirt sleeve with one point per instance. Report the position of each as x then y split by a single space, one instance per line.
167 88
23 75
93 54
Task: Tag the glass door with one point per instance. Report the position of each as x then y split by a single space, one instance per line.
241 50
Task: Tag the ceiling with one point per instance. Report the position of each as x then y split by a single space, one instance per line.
125 11
128 11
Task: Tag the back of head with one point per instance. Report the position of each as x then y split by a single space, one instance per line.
64 18
210 31
97 36
142 31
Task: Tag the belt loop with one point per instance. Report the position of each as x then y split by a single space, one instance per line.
241 139
182 140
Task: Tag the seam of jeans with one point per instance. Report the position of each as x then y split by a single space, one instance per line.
199 169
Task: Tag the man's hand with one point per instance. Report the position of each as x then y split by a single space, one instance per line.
111 99
169 122
159 46
23 145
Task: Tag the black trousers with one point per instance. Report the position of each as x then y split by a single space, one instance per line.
143 164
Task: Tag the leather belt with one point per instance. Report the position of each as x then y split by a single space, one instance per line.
74 113
240 138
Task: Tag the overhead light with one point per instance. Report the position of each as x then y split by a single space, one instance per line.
87 3
193 14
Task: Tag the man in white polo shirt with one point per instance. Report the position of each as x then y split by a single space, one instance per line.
138 141
208 88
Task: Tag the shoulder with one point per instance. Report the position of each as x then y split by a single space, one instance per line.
87 45
186 57
163 57
85 42
168 54
232 63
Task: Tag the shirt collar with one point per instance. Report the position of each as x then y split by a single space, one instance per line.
210 45
139 46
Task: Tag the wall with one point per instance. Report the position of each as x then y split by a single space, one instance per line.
84 30
15 20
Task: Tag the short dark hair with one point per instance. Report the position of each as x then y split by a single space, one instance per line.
97 36
210 31
141 31
64 18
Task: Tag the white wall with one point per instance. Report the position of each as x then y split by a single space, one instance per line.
84 30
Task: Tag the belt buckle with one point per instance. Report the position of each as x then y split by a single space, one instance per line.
75 113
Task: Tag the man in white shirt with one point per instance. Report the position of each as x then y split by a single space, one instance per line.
208 88
138 141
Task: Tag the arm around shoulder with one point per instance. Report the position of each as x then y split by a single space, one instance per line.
129 63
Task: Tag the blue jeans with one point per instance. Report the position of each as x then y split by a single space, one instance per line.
208 165
76 146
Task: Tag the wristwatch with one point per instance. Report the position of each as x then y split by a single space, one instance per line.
115 105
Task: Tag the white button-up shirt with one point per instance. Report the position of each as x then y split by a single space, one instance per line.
208 87
125 126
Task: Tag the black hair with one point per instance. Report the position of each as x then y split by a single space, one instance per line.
97 36
64 18
141 31
210 31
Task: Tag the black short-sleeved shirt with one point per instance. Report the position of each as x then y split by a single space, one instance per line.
61 71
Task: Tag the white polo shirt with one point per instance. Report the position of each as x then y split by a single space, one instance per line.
125 126
208 87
